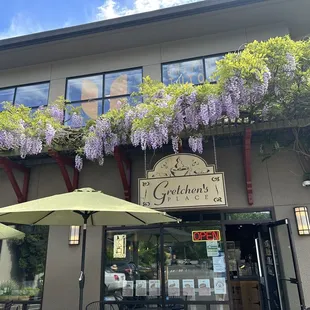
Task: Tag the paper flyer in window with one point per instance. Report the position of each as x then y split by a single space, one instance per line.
188 287
204 288
219 264
128 288
154 287
141 288
174 287
212 248
119 246
220 286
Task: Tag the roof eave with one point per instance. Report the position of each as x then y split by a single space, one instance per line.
119 23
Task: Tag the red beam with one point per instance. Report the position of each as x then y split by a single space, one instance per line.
8 166
63 162
247 165
180 147
124 167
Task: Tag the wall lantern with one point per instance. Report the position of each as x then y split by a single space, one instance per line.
302 220
74 236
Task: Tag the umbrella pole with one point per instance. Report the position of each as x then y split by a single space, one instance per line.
82 275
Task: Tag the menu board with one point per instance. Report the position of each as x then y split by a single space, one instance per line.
128 288
154 287
174 287
219 286
204 288
141 288
188 287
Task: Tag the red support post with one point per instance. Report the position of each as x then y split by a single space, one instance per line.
247 165
180 147
124 166
62 162
8 166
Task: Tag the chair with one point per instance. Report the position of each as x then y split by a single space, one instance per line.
8 305
99 305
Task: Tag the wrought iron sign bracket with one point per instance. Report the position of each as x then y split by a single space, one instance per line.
63 162
247 164
124 167
8 166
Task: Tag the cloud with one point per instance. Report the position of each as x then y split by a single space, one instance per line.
20 25
111 9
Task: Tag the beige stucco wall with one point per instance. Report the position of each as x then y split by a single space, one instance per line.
149 57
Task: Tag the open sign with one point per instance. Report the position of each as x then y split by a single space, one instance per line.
206 235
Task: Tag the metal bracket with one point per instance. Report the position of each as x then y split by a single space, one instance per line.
124 167
62 162
8 166
247 165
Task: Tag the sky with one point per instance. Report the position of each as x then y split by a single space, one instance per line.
21 17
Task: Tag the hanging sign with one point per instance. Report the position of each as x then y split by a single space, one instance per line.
119 246
182 180
206 235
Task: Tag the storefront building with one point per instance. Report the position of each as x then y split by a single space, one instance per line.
238 245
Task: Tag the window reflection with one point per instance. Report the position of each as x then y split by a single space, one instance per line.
195 268
210 65
6 95
183 72
118 86
114 103
33 95
85 88
132 270
122 83
89 110
191 71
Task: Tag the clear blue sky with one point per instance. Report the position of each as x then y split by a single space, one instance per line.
20 17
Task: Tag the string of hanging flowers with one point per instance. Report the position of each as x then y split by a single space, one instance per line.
265 81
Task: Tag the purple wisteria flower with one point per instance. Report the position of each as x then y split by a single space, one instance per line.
76 120
78 162
57 113
49 134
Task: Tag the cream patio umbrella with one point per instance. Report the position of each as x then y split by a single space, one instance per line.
7 232
82 207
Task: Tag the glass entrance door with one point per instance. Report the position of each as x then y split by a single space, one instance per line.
280 276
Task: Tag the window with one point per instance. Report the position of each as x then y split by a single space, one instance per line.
210 66
32 96
97 94
191 71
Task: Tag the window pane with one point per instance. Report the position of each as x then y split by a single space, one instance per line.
263 215
6 95
85 88
32 95
90 110
132 269
210 64
122 83
184 72
113 103
195 267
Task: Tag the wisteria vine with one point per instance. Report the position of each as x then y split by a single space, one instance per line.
263 81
